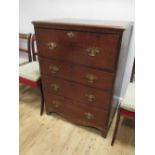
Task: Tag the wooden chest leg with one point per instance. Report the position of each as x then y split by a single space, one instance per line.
42 99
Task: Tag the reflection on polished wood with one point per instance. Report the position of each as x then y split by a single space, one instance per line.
52 135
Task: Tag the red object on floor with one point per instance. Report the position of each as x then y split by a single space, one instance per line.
28 82
127 113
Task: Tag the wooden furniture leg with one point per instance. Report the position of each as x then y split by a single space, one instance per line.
42 99
116 127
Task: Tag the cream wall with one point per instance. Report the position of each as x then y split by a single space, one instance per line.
85 9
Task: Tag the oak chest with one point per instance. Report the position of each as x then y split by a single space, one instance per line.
82 64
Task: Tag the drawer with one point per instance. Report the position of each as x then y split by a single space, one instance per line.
81 114
84 75
87 48
83 94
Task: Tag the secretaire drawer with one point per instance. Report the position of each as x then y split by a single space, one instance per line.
84 75
88 48
83 94
82 114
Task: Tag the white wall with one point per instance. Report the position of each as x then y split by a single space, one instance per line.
31 10
129 65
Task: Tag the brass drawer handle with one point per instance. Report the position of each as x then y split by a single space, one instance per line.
55 87
56 103
93 51
91 78
71 34
90 97
54 69
51 45
89 115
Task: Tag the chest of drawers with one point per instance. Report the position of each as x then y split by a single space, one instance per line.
82 63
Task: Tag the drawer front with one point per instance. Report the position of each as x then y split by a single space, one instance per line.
81 114
84 75
91 49
84 95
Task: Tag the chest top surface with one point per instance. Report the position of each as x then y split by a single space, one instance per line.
118 25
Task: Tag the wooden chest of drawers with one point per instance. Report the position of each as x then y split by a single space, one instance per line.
81 64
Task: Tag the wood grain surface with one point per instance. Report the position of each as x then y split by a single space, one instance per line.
53 135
